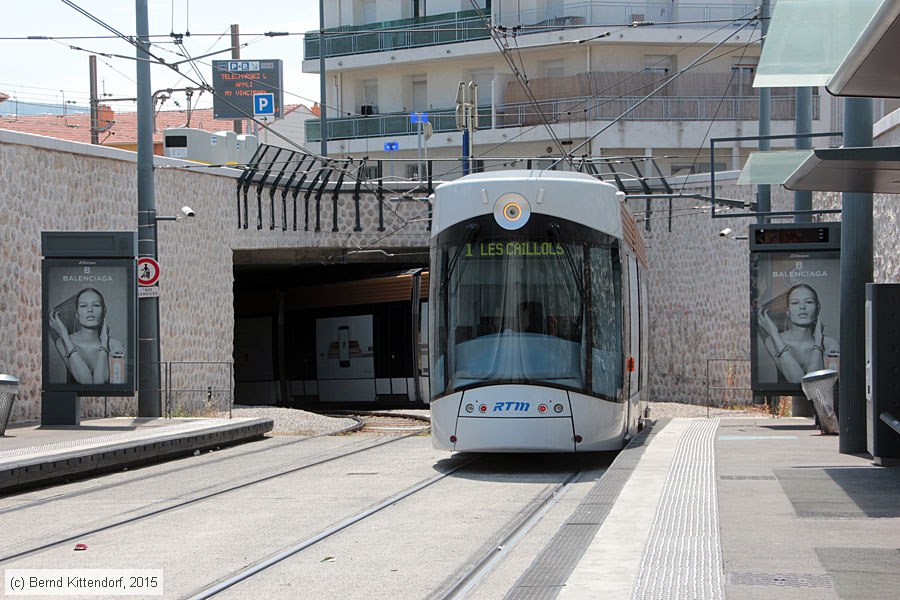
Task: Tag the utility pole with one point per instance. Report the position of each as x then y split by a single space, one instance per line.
323 123
95 119
148 308
236 54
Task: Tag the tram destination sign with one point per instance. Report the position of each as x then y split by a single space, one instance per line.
236 82
493 249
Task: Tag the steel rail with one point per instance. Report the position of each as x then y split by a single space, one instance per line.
264 564
484 566
167 509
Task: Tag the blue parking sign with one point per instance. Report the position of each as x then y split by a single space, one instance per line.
263 104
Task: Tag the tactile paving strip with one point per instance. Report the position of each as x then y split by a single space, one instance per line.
683 558
546 576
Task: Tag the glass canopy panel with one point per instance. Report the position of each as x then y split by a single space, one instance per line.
809 39
771 167
874 170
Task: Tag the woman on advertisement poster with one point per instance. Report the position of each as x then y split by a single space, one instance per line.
800 346
83 339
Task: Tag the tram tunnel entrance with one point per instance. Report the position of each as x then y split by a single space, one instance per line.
331 335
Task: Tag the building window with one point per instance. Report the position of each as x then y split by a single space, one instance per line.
743 69
366 10
419 94
554 68
659 64
554 8
658 68
484 79
369 105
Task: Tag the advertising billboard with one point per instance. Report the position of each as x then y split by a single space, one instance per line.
89 326
795 304
237 82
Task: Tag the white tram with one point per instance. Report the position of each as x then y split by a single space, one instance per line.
538 315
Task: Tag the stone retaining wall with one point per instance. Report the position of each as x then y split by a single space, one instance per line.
699 281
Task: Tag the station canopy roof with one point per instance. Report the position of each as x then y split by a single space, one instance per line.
865 170
850 47
771 166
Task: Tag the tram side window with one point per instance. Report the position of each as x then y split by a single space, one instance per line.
606 278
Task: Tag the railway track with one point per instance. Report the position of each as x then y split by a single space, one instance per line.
477 566
194 496
355 517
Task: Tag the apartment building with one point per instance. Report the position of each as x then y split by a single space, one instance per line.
594 78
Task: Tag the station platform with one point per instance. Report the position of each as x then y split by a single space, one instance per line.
32 455
743 509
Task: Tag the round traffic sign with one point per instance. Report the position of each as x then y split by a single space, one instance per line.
147 271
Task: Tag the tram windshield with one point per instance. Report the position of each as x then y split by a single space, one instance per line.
538 305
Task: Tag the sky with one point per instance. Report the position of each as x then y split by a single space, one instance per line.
51 72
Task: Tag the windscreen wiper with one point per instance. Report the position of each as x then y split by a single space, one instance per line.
471 230
553 229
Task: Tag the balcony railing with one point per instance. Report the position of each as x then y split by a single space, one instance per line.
465 26
665 108
388 124
563 110
448 28
600 13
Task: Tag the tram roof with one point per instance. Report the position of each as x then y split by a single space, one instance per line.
577 197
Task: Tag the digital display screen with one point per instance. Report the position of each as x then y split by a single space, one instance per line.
794 235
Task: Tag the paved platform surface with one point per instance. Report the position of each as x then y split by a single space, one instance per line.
31 455
742 509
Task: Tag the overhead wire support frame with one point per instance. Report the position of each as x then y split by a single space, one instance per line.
784 213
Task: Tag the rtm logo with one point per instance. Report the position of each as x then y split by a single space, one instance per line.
511 406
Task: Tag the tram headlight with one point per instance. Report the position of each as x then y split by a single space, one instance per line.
470 408
512 211
557 408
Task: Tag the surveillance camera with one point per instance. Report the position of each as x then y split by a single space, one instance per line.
187 211
725 232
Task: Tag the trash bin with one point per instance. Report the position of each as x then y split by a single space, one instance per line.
9 389
821 389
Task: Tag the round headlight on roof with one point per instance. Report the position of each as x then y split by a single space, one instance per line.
511 211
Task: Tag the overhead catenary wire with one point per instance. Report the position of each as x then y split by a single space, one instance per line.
715 114
525 29
625 94
523 82
332 164
264 126
657 89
